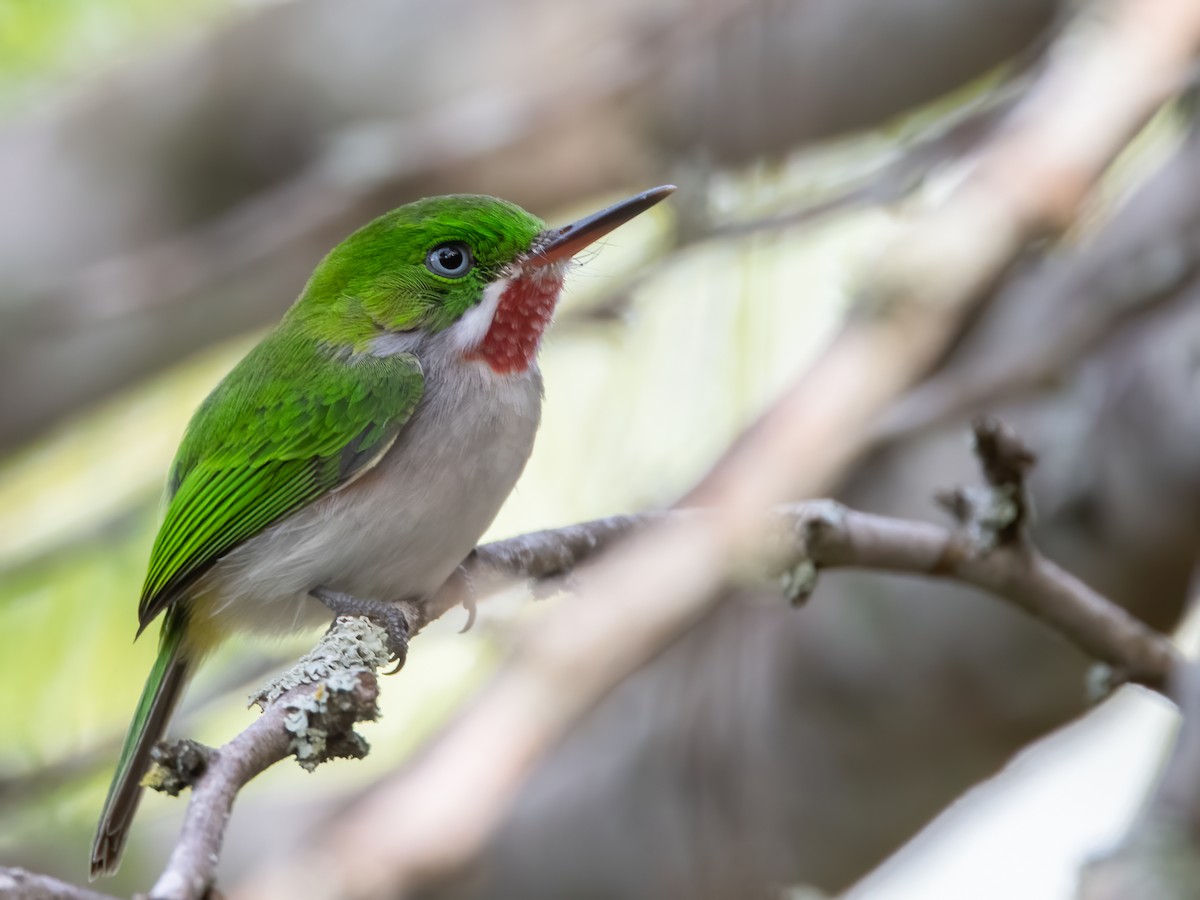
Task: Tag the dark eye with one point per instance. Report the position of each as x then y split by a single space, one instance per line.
450 260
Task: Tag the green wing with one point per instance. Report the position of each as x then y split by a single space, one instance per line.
291 422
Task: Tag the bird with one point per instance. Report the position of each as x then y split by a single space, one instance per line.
357 453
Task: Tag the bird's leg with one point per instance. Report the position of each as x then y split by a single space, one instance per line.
390 616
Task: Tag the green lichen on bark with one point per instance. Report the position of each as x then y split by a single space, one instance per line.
321 722
354 644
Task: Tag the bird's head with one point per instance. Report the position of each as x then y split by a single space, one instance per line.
481 271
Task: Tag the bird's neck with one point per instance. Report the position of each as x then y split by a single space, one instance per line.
523 308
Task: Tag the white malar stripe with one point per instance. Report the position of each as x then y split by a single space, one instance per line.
469 331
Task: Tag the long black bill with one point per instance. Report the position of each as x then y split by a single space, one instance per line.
562 243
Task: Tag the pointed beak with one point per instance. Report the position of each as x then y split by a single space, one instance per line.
558 244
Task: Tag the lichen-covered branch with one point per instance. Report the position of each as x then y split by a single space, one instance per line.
308 713
1105 80
987 549
311 710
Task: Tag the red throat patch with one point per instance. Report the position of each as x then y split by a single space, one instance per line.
522 314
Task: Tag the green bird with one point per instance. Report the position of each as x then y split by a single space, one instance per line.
357 454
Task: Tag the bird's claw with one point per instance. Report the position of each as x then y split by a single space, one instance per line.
464 585
388 615
396 624
472 608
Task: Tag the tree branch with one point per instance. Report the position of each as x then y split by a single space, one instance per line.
310 712
822 534
1072 303
1104 82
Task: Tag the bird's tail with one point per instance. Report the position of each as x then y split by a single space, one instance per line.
159 698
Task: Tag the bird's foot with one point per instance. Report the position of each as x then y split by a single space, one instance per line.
467 590
389 615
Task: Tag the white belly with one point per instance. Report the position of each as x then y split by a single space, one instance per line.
401 529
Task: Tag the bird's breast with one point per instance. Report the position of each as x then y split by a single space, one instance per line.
399 530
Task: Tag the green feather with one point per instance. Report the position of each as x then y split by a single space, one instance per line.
159 698
293 421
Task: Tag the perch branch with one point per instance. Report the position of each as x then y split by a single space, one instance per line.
822 534
310 712
828 535
1107 76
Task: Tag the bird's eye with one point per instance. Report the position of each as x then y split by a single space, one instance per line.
450 260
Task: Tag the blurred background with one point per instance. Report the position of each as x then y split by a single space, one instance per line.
171 172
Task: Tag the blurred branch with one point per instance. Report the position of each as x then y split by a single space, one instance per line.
203 215
945 141
989 552
18 884
949 139
1105 80
1138 261
1159 859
